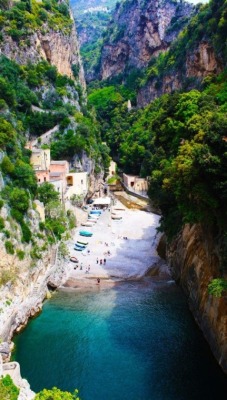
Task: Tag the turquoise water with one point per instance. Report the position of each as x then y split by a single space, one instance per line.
136 341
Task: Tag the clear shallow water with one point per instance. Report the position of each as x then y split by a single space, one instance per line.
137 341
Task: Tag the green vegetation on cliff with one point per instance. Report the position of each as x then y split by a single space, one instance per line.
56 394
8 391
58 101
179 141
208 26
20 20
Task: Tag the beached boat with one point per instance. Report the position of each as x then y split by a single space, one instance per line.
94 216
90 223
95 212
74 259
80 245
77 248
116 217
82 242
85 233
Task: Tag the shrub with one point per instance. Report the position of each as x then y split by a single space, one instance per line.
7 389
217 286
19 199
63 250
26 233
9 247
1 203
72 219
35 253
7 166
6 233
56 393
42 226
17 215
20 254
2 223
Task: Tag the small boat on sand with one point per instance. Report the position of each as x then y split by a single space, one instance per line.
90 223
94 216
78 248
85 233
74 259
80 245
117 217
80 242
96 212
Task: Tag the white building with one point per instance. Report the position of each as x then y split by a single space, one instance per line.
77 183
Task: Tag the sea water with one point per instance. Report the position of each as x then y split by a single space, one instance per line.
136 341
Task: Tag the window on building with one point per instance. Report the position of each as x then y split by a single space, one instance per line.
82 181
45 179
39 180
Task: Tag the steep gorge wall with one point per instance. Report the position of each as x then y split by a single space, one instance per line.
194 262
56 47
199 63
139 31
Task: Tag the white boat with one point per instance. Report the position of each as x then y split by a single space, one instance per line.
94 216
90 223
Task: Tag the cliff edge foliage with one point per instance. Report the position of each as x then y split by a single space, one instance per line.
34 98
20 19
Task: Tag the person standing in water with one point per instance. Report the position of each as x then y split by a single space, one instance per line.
98 280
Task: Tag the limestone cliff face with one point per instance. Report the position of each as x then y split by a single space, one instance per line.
199 63
140 30
23 282
56 47
203 61
155 88
194 262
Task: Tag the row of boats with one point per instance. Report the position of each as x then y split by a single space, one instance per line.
93 217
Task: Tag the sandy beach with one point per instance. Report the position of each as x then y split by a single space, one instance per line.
131 243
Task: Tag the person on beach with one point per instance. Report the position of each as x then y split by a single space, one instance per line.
104 261
101 262
98 280
97 260
89 268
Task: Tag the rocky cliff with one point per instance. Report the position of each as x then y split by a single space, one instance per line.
195 261
141 30
199 63
199 51
53 41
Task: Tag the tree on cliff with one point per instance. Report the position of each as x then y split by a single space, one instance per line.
56 394
7 389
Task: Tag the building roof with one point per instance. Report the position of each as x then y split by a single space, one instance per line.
53 174
101 201
63 162
76 173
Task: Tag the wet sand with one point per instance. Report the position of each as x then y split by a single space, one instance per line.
129 258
